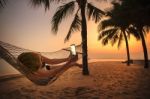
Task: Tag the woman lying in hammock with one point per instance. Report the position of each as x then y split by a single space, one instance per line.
42 74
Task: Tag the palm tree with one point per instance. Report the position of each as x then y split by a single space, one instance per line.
114 31
79 21
126 11
139 29
141 11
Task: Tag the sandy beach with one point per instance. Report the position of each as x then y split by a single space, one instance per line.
107 80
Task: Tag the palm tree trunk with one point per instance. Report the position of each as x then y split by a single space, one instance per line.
146 64
84 38
127 48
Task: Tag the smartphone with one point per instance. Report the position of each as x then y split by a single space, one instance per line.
73 49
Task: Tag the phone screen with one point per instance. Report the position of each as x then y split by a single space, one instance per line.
73 49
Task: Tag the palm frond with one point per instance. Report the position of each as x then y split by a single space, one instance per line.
109 38
146 30
109 35
105 41
120 40
114 39
133 31
46 3
94 13
128 35
75 26
62 12
107 23
109 32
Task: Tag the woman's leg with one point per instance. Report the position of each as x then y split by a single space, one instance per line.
54 71
54 61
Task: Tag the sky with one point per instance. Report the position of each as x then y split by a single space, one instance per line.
29 27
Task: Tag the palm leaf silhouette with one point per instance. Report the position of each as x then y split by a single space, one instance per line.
62 12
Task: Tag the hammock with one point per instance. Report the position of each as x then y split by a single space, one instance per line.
10 54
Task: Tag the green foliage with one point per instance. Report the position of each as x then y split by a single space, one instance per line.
31 60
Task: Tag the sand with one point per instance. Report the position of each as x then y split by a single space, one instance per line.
107 80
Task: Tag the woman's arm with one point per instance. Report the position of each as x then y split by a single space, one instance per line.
54 61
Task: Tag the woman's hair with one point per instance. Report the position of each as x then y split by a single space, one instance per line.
31 60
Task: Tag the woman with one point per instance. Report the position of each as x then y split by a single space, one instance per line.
36 63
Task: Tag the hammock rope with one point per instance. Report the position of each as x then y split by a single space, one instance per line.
10 54
14 50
